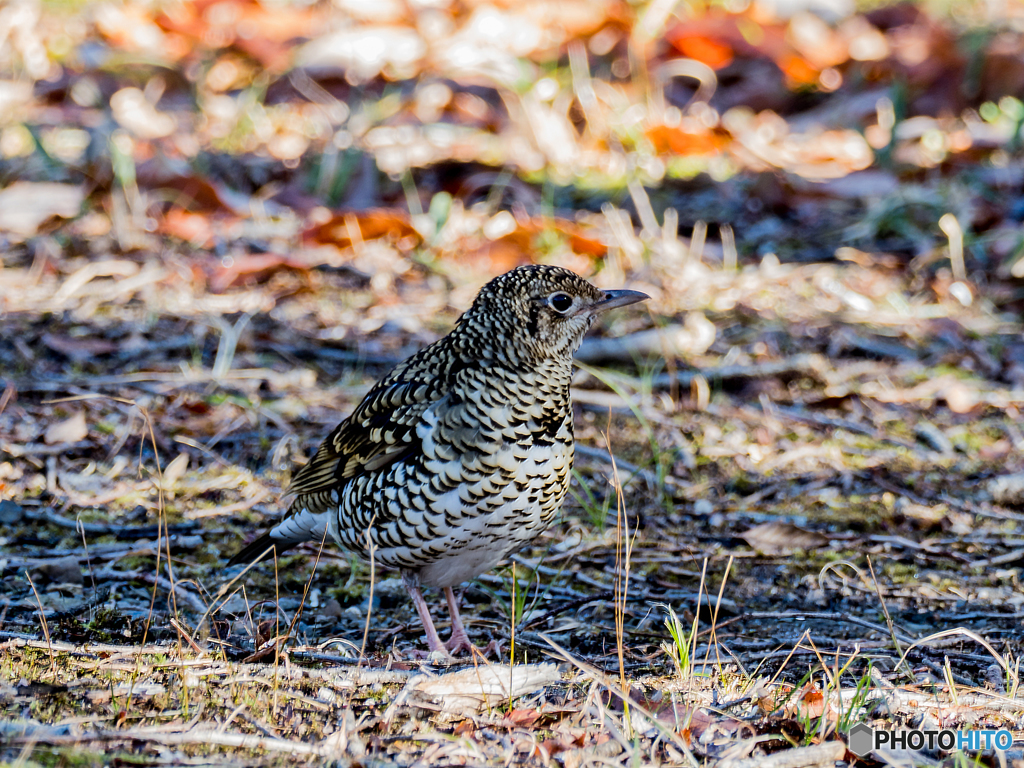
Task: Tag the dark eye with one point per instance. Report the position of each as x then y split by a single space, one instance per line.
560 302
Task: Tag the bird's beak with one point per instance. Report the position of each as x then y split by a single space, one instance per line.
614 299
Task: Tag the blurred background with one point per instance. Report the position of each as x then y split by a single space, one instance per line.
230 144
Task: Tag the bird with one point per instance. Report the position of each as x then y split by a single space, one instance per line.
461 455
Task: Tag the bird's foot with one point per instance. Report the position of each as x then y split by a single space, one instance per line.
459 641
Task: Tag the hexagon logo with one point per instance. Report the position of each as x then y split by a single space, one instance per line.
861 739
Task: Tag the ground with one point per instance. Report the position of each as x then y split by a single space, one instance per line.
799 488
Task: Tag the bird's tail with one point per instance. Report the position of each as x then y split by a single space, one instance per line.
263 546
300 525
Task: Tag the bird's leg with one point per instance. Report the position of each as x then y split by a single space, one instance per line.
433 639
459 640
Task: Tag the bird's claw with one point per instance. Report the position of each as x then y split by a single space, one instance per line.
461 642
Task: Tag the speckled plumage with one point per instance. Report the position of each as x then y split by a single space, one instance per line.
461 454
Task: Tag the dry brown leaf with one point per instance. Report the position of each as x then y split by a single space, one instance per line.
194 228
524 718
264 31
778 538
254 266
345 230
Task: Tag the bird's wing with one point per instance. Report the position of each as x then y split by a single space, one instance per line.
379 431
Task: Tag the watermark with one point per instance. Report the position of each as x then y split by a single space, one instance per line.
862 739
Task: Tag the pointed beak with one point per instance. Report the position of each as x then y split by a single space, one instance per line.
613 299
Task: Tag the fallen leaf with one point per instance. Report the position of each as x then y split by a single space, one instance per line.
25 205
173 472
776 538
194 228
678 141
71 430
469 691
345 230
810 702
523 718
233 269
64 570
465 728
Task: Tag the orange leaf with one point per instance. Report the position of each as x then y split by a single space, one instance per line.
524 718
194 228
343 229
811 702
268 29
259 265
679 142
715 53
465 728
526 233
798 70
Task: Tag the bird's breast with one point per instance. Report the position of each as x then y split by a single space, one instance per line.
490 473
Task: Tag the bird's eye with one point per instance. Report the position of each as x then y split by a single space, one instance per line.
560 302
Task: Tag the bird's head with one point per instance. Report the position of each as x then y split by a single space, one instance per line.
540 311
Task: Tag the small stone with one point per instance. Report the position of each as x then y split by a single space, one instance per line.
1008 489
703 507
10 512
234 606
391 587
186 542
816 598
63 571
331 610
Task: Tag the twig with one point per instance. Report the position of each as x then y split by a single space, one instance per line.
797 364
827 753
826 616
191 600
49 515
632 469
818 420
59 736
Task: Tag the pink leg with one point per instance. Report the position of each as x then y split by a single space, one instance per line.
433 639
459 640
